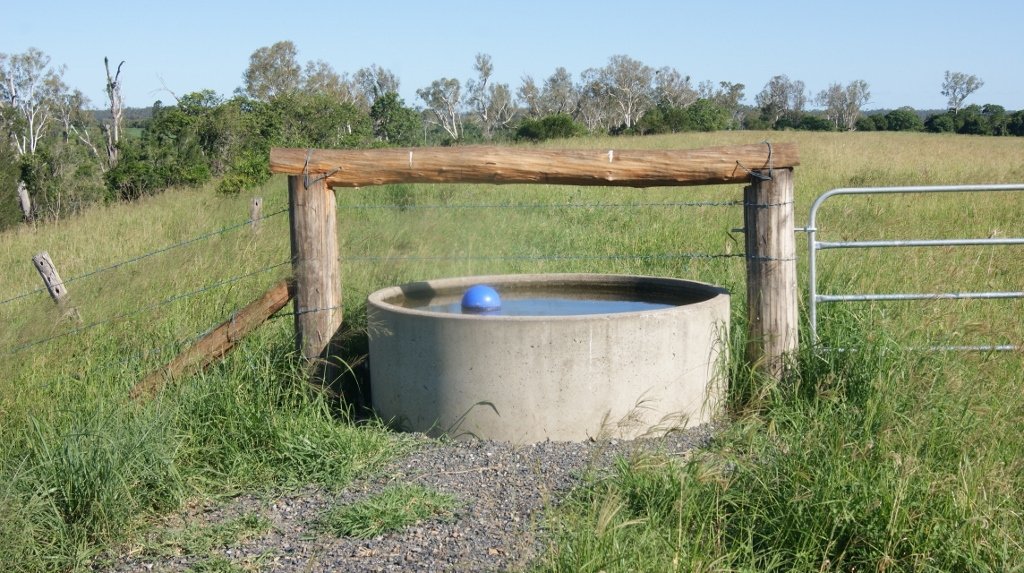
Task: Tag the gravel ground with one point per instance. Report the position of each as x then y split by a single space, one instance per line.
503 491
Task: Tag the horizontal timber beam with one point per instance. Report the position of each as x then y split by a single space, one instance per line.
485 164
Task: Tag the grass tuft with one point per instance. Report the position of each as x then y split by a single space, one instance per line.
392 509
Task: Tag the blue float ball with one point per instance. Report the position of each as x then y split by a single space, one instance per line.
480 298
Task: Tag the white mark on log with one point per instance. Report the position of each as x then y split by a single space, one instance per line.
611 155
410 160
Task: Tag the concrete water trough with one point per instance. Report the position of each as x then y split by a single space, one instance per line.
592 356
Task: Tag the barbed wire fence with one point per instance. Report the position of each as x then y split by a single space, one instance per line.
353 257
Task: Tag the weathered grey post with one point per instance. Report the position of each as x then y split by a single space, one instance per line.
771 271
315 264
256 212
51 278
55 285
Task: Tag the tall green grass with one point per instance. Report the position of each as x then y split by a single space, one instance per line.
871 460
927 438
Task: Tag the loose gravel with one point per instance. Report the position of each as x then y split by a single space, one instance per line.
503 491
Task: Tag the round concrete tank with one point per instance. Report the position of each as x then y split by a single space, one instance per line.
525 379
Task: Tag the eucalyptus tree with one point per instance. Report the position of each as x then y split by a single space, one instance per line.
781 97
672 88
443 98
374 81
559 95
490 102
627 85
843 103
528 96
273 70
595 105
958 86
29 90
319 77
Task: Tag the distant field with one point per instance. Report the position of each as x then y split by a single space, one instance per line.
60 379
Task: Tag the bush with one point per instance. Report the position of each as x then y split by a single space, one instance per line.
558 126
940 123
904 119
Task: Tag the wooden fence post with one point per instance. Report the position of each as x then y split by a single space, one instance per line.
55 285
771 272
51 278
315 264
256 212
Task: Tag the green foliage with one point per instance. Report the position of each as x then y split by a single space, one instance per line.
701 115
394 508
168 153
867 123
940 123
1015 124
989 119
62 179
970 121
804 121
558 126
10 173
393 123
903 119
705 115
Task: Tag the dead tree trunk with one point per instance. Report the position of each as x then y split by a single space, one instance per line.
113 130
25 201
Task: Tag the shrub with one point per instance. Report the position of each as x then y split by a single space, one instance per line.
558 126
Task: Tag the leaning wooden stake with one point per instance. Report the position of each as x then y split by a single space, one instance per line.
51 278
55 286
771 272
217 343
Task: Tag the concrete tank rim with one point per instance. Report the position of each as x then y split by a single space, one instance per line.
379 298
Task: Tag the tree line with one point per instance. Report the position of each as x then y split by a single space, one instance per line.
61 153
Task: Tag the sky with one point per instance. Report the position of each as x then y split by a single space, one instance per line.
900 48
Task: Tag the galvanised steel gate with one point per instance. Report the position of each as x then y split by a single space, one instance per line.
815 245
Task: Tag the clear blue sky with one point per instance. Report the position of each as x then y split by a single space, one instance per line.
901 48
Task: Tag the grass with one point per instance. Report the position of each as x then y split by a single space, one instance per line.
201 539
876 459
392 509
860 461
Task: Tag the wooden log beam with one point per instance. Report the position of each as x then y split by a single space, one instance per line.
218 342
480 164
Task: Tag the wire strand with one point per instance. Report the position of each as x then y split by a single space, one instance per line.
145 256
548 257
544 205
123 316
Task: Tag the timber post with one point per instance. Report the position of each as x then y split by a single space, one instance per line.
55 285
772 313
315 264
51 278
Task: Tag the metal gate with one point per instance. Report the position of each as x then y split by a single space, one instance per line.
814 246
